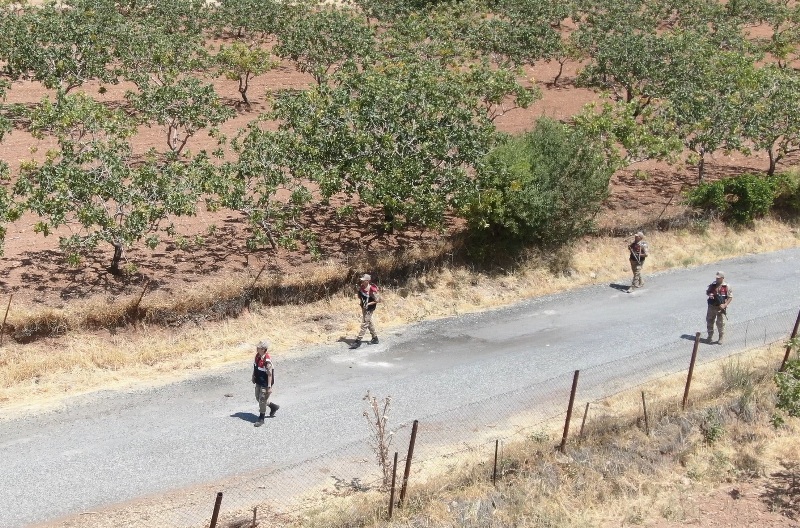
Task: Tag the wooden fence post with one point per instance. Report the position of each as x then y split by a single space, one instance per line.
646 419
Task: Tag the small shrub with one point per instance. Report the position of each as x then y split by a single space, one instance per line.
738 201
787 193
540 437
544 188
736 377
748 465
699 226
130 269
712 426
377 416
788 383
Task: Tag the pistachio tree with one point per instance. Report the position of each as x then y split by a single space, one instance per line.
184 107
60 46
771 108
150 54
240 62
9 211
261 186
320 39
90 189
253 20
400 134
525 32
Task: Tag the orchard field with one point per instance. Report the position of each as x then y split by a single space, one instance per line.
157 145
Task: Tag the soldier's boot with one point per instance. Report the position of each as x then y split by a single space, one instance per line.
374 340
260 421
721 339
356 344
709 338
273 408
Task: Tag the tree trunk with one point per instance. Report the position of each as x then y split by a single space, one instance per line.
701 166
388 219
560 71
114 268
244 83
773 162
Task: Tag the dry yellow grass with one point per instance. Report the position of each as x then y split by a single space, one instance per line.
44 372
617 475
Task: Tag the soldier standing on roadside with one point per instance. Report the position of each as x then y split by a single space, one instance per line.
718 295
369 298
264 379
638 252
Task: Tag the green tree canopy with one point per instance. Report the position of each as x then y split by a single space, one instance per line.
544 187
261 186
401 134
320 39
184 107
60 46
91 185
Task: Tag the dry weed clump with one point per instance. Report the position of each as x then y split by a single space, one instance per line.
615 474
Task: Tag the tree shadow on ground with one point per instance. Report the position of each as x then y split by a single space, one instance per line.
782 492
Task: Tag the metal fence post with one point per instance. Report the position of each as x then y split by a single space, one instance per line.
691 370
494 472
569 410
394 478
583 422
215 515
788 347
408 461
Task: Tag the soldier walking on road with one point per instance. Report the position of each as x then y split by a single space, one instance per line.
264 379
369 298
719 295
638 252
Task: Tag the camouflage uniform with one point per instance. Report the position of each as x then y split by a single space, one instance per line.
264 379
368 297
718 295
638 252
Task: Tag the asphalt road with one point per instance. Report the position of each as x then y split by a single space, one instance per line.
111 447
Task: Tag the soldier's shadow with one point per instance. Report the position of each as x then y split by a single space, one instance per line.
246 416
620 287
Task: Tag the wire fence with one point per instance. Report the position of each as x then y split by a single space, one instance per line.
444 439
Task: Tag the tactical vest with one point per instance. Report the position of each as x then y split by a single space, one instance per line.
720 294
636 252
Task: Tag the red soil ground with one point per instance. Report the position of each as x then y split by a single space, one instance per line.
32 268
